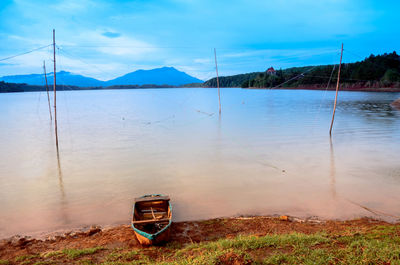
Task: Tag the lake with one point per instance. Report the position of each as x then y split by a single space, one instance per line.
268 153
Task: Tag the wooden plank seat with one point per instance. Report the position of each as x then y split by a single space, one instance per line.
156 216
144 211
151 221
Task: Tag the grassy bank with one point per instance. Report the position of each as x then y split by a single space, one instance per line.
239 241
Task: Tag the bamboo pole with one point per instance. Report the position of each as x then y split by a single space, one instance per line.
337 89
47 88
216 69
54 87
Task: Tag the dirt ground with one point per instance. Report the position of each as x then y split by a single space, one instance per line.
181 233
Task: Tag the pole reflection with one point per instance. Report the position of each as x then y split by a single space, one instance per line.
332 170
64 218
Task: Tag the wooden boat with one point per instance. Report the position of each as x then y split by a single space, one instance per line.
151 220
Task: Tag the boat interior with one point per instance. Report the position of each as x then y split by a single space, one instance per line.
151 214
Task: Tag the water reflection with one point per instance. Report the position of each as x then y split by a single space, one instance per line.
375 108
60 174
219 139
332 169
380 109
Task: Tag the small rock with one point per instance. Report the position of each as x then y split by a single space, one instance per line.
20 241
4 242
93 230
314 221
298 220
50 238
68 233
14 240
78 234
284 218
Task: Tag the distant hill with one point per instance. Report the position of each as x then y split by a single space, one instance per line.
12 87
381 71
63 78
20 87
158 76
168 76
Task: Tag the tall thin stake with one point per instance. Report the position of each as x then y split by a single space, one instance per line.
216 69
47 88
54 87
337 89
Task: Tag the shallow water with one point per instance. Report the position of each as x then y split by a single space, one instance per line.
268 153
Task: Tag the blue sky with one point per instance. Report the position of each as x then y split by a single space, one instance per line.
107 38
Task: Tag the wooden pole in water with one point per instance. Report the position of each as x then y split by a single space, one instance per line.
216 69
337 89
47 88
54 87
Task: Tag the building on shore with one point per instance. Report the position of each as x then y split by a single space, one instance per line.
271 71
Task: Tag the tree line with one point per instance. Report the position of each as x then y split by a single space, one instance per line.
374 71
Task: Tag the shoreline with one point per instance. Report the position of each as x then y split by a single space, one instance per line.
357 89
352 89
107 240
85 228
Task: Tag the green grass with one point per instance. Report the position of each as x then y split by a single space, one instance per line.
371 248
76 253
44 262
360 251
211 252
253 242
4 262
124 256
52 254
86 262
173 245
26 258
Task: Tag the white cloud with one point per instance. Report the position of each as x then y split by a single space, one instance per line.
27 64
123 46
202 61
29 41
68 6
284 53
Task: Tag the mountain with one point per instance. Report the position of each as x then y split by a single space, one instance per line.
63 78
158 76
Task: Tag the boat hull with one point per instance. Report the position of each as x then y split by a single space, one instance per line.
157 240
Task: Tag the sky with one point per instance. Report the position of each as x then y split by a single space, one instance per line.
105 39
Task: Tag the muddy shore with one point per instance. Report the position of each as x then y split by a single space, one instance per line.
103 242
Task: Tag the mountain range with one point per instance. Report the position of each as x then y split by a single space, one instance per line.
159 76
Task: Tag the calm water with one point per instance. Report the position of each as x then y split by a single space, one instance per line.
269 153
